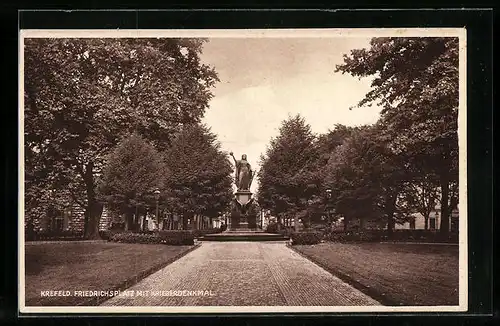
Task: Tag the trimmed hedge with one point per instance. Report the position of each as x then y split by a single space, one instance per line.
177 237
306 238
107 234
173 238
53 235
201 233
273 227
432 236
354 236
420 236
287 231
130 237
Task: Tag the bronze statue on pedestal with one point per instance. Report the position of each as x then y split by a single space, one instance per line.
243 174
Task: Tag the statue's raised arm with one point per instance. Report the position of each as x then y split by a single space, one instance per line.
234 158
236 171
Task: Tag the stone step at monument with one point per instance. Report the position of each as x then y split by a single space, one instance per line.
240 230
244 236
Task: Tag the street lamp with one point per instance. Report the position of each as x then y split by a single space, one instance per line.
328 197
310 203
157 197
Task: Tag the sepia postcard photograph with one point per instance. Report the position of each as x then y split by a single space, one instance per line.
242 171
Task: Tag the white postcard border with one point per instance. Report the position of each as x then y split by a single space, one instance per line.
258 33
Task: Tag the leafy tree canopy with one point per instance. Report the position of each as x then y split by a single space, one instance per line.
82 95
133 170
199 180
287 179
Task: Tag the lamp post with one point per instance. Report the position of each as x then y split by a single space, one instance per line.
328 197
310 202
157 197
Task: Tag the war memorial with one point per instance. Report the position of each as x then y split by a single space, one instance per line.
243 219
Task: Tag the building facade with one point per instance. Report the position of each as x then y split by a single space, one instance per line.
434 223
70 218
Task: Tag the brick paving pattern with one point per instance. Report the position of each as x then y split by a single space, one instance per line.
244 274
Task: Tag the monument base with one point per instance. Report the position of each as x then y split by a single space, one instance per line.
242 226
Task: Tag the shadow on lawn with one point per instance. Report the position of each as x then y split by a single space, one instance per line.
52 255
59 267
393 274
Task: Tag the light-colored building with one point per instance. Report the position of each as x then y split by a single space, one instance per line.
418 222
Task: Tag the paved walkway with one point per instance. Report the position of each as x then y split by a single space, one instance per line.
242 274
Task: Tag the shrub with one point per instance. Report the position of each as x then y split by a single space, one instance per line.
287 231
117 226
201 233
306 238
174 238
49 235
107 234
273 227
396 236
130 237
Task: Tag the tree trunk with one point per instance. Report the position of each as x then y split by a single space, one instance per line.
94 209
144 223
346 223
390 209
129 220
391 224
184 222
426 222
445 214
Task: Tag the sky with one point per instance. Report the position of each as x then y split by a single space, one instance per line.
263 81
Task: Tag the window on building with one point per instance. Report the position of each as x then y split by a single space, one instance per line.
59 223
56 219
432 223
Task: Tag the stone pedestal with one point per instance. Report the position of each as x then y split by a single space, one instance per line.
239 220
243 198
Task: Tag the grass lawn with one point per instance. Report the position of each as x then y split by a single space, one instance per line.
394 274
83 266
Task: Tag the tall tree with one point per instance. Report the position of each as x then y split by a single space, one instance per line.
288 179
351 175
199 182
82 95
132 172
416 83
366 179
421 196
329 141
